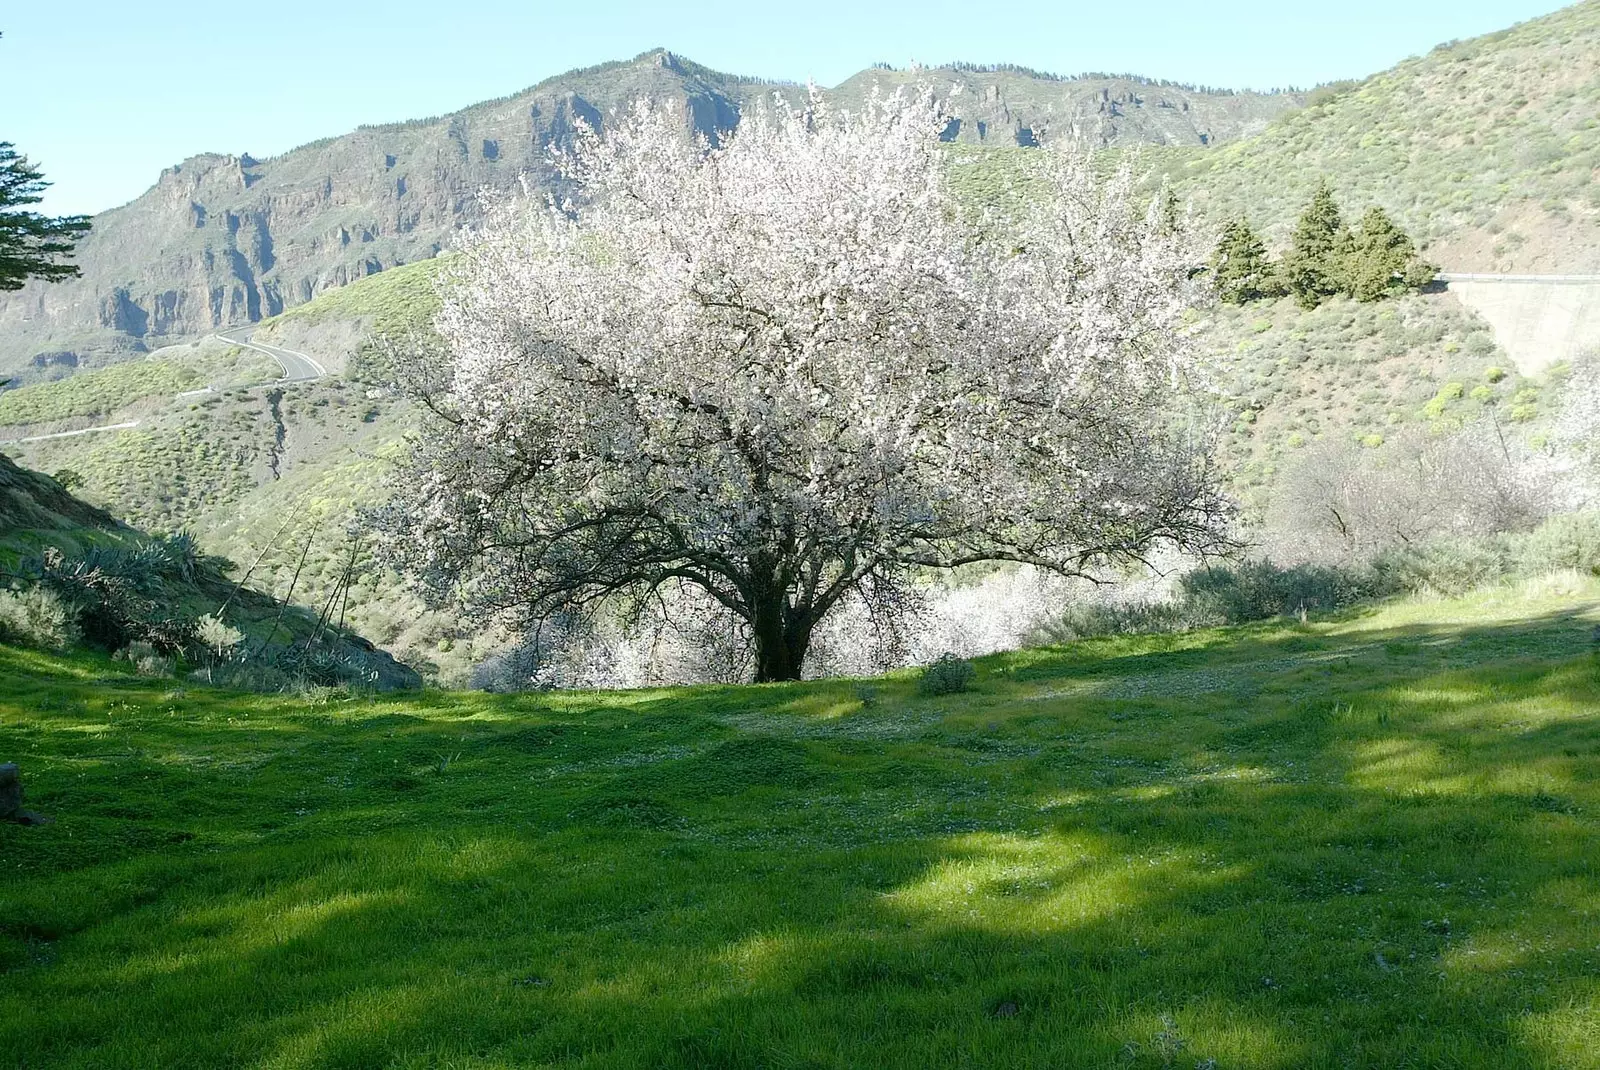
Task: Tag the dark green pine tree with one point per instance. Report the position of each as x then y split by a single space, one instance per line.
1169 210
1380 259
32 246
1312 270
1240 267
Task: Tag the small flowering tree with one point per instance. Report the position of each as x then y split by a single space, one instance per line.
1578 428
791 367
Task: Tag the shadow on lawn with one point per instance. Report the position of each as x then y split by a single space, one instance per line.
1386 856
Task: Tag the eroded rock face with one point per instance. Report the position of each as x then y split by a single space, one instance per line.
223 240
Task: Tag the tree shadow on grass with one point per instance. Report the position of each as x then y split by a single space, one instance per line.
1381 858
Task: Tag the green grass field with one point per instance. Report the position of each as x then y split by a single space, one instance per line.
1373 841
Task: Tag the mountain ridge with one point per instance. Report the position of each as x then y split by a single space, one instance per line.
222 240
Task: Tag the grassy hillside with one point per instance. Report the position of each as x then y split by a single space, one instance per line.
1486 149
102 392
128 581
392 302
260 468
36 511
1359 373
1367 842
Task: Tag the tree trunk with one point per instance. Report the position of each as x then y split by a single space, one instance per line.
781 642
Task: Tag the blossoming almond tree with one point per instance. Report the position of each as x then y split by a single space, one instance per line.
790 367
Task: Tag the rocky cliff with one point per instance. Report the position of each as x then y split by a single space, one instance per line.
224 240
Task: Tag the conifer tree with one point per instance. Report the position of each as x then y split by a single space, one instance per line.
1169 210
32 245
1380 260
1240 267
1313 269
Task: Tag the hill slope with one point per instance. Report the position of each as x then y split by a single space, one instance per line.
1486 149
38 515
1367 842
223 240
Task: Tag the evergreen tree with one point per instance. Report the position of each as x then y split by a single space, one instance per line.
1169 210
1240 267
1312 269
32 246
1380 260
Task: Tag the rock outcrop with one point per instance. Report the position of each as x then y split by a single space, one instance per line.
223 240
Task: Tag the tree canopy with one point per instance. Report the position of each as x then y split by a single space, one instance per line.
1311 268
790 370
1372 261
1241 268
32 246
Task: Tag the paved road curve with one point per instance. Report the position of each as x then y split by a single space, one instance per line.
297 367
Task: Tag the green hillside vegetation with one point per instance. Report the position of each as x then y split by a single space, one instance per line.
214 466
1343 368
313 511
192 464
176 469
1356 372
1488 145
395 302
72 576
1342 843
36 511
103 391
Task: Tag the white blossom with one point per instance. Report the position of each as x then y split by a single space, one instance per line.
791 367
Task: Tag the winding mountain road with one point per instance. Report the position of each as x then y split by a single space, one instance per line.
297 367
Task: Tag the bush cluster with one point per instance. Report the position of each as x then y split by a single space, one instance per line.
949 675
1258 590
37 617
1455 566
117 596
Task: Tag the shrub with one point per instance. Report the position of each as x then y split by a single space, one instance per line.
119 595
37 617
145 659
1571 541
1090 621
1260 590
947 676
1447 566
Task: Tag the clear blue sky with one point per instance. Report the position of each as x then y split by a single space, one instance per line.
104 93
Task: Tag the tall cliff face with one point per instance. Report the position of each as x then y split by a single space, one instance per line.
226 240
